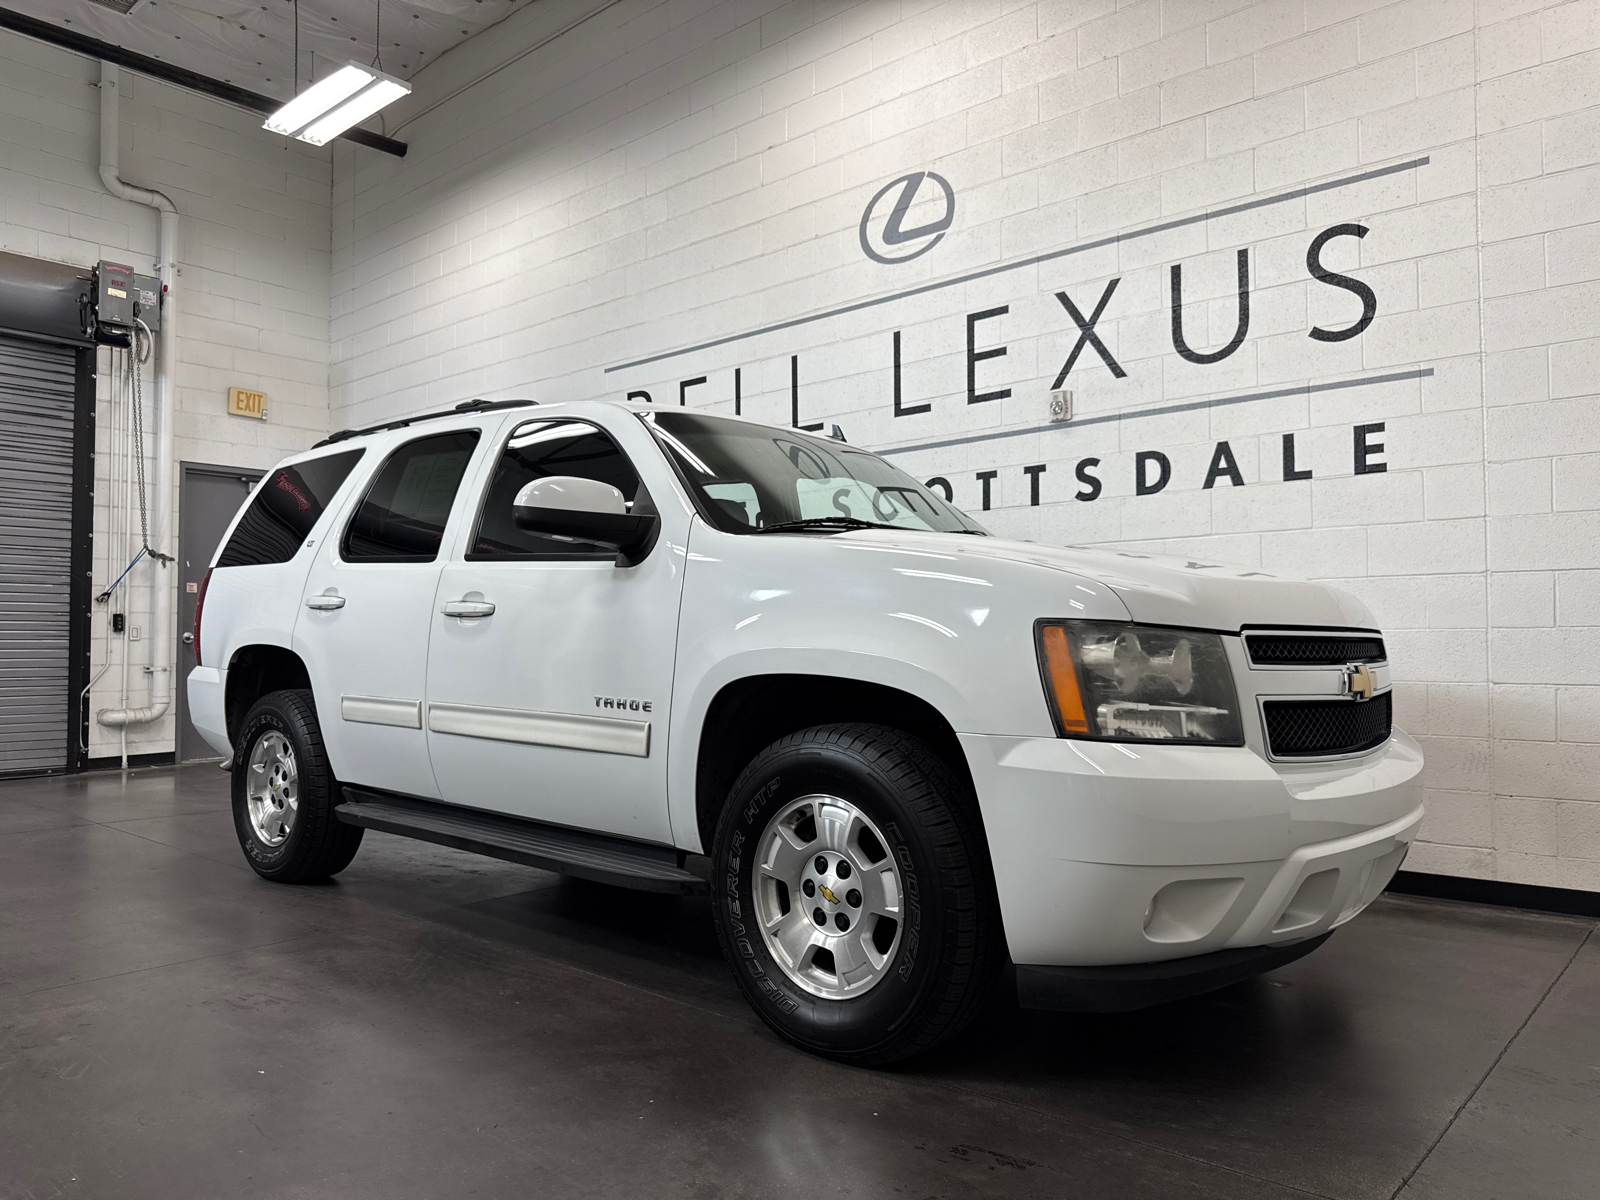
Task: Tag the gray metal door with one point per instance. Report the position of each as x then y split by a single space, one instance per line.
208 498
37 390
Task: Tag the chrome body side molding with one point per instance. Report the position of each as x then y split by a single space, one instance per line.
606 735
381 710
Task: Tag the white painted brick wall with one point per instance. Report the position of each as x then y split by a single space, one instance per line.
676 171
669 173
253 293
606 212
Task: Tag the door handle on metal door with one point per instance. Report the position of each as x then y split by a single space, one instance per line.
467 608
324 603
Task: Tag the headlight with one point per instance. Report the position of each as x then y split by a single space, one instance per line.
1138 683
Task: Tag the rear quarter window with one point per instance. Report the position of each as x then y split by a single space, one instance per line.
403 515
285 509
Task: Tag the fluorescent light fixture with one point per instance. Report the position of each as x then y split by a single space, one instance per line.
354 110
318 99
326 109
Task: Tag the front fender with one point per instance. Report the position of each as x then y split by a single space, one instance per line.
692 702
951 628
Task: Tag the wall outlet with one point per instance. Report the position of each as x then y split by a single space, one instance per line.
1061 405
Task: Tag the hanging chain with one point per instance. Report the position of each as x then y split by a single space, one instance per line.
377 39
138 442
138 438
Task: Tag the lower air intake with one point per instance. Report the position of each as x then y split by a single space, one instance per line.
1313 728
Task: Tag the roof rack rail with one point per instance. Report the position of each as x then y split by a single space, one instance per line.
466 406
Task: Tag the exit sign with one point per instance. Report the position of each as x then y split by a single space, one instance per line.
243 403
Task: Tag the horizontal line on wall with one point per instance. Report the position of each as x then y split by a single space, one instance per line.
1082 247
1300 389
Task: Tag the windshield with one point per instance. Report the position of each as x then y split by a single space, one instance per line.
749 478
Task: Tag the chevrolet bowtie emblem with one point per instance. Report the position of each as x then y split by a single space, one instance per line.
1358 681
827 894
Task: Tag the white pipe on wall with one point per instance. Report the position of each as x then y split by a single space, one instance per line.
122 501
162 584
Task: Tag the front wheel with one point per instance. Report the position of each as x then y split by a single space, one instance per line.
853 895
284 794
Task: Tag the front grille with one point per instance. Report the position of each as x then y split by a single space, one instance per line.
1307 728
1300 650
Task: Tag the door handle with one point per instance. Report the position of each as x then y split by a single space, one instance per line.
324 603
188 639
467 608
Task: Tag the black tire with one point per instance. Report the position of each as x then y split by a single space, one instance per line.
318 845
951 950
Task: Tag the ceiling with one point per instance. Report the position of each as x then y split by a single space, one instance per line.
250 43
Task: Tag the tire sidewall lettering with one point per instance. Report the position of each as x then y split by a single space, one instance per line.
759 800
913 895
735 907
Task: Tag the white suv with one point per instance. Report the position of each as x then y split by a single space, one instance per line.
692 653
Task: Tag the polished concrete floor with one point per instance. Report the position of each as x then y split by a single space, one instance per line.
435 1024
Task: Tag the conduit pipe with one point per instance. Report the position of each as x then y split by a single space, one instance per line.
161 584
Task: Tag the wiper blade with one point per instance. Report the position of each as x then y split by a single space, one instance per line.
840 522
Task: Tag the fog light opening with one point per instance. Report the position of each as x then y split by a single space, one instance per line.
1310 903
1189 909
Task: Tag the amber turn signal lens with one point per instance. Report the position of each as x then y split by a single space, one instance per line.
1063 680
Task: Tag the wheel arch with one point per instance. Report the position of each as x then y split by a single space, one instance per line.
753 711
253 672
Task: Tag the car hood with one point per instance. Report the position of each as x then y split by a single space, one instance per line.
1164 590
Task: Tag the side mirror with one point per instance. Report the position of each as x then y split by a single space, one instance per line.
587 510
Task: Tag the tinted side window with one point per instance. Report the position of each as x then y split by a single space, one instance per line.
280 518
536 450
403 515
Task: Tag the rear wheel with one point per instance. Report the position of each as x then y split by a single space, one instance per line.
853 895
284 794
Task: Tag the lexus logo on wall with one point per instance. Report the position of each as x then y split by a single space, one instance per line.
886 239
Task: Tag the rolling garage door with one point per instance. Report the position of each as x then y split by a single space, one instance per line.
36 444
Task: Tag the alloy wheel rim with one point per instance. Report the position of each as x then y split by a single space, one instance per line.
272 788
828 897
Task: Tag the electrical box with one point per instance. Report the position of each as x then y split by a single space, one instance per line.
115 295
147 301
121 295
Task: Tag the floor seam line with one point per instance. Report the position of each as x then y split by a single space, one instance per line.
1405 1182
116 827
182 962
29 803
678 1000
169 845
39 829
593 974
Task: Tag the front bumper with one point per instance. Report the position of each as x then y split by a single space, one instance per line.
1109 854
1141 985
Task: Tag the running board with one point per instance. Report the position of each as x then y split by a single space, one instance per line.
595 856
